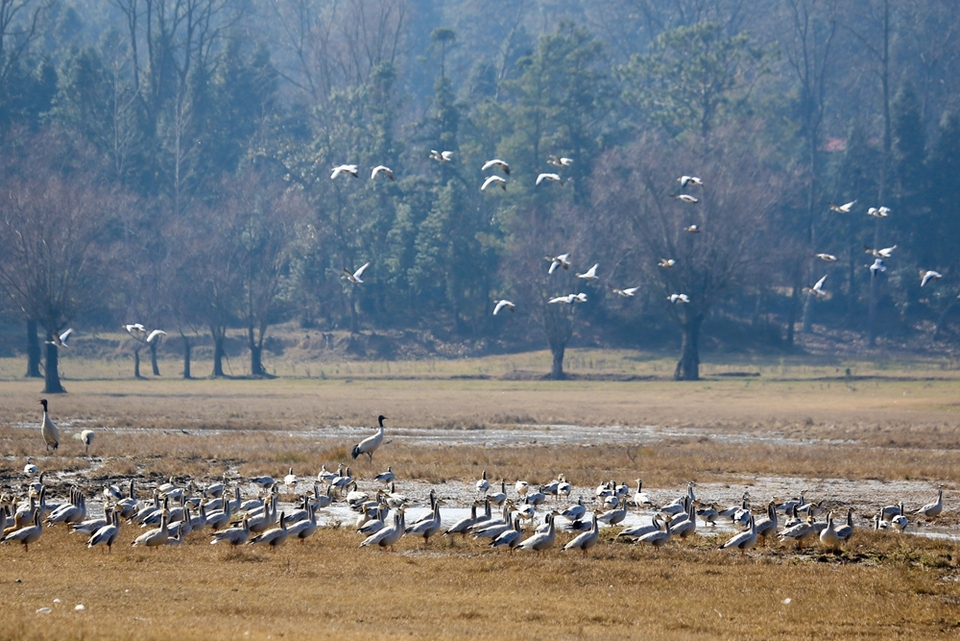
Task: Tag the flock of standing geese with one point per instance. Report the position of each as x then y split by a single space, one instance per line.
521 521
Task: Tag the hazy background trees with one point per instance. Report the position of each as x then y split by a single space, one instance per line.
202 133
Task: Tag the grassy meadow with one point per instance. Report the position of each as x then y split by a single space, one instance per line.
884 421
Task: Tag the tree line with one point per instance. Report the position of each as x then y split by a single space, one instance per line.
169 162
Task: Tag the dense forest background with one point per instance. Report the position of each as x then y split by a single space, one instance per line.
168 162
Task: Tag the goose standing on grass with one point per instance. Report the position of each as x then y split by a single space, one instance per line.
637 531
501 304
509 538
154 538
273 537
26 535
235 535
387 477
541 540
585 540
744 540
60 340
932 510
844 532
828 535
49 431
370 444
483 484
354 277
388 536
107 534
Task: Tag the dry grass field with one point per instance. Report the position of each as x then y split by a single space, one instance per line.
882 432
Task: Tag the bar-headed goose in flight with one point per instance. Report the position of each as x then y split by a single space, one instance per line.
590 274
886 252
676 299
629 292
830 258
548 176
559 161
926 275
843 209
689 180
60 340
817 289
878 212
381 169
344 169
563 260
569 299
501 304
354 277
441 156
687 198
667 263
494 180
496 162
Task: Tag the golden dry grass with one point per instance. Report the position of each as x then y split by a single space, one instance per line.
892 428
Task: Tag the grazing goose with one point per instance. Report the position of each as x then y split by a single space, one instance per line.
60 340
585 540
234 536
744 540
501 304
305 528
388 536
549 177
496 162
799 532
509 538
689 180
370 444
26 535
107 534
828 535
441 156
563 260
354 277
461 526
932 510
521 487
926 275
687 198
344 169
540 541
494 180
381 169
843 209
85 437
156 537
49 431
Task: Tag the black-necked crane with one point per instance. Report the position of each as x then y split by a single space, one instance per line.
370 444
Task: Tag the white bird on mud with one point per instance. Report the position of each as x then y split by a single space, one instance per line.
563 260
843 209
926 275
49 431
494 180
932 510
354 277
60 340
370 444
344 169
501 304
548 176
381 169
496 162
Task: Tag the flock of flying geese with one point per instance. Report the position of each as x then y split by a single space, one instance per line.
561 260
879 255
511 522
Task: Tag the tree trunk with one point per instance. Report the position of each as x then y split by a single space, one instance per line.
688 367
186 358
136 363
51 370
256 353
217 356
33 351
556 371
153 356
